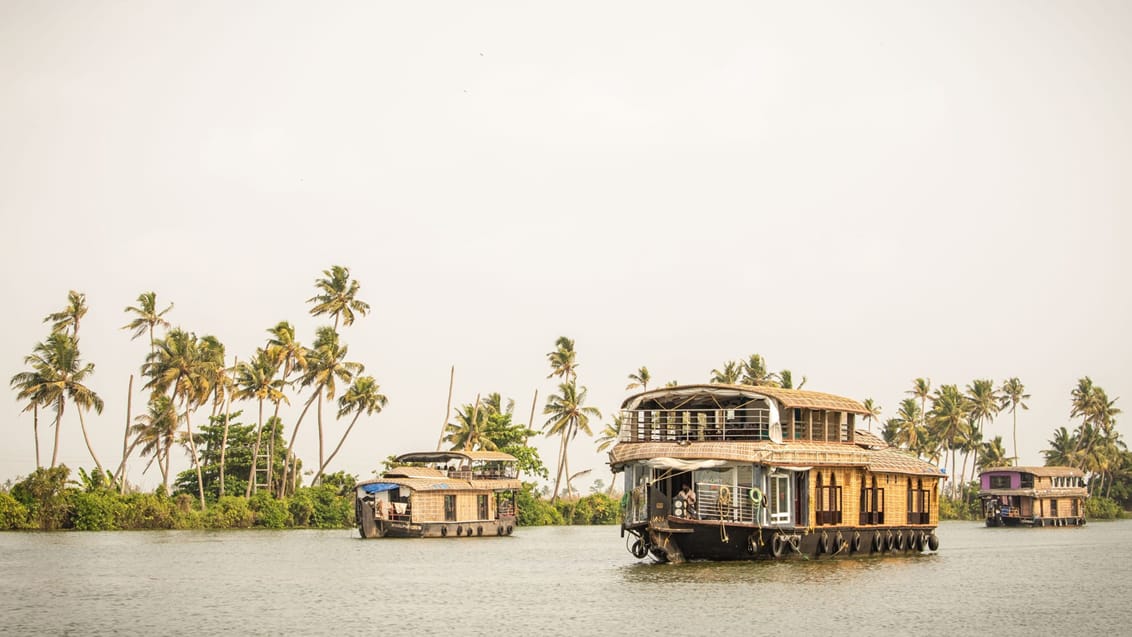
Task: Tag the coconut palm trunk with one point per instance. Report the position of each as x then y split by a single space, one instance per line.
255 453
120 475
35 429
196 458
322 469
58 421
288 467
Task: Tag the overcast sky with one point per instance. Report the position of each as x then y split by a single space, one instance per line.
863 193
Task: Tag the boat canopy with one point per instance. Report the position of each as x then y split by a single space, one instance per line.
683 395
445 456
378 487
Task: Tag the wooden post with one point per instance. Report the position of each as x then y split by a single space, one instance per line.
447 409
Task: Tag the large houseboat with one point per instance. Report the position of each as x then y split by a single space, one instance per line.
440 494
1033 496
730 472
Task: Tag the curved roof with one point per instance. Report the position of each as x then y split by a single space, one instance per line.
1056 472
790 398
444 456
884 459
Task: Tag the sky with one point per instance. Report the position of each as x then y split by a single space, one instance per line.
863 194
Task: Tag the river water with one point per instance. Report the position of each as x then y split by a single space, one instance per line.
555 581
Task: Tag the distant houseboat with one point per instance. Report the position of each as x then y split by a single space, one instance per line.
726 472
440 494
1033 496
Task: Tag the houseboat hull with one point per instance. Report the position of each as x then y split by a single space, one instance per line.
371 527
680 541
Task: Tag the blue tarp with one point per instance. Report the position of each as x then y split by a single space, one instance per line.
378 487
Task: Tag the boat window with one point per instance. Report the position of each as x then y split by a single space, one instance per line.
483 508
800 425
828 506
778 498
1000 482
450 508
1027 481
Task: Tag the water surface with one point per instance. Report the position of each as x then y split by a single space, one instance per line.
555 581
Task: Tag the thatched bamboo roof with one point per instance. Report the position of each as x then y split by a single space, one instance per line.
445 484
885 459
669 397
1045 472
444 456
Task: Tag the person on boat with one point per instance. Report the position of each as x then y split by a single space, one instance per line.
381 508
689 497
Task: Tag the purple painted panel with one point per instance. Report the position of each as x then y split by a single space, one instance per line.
1015 479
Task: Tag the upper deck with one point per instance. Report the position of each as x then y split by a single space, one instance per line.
738 413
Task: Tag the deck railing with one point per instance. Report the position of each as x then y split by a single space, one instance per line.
736 506
675 425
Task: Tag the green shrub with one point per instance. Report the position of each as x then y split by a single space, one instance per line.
534 511
301 506
43 494
146 511
959 509
1101 508
95 510
269 512
229 512
331 510
13 514
596 508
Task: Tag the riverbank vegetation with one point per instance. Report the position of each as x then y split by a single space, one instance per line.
224 415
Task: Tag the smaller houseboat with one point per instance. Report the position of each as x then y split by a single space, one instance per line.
441 494
1033 496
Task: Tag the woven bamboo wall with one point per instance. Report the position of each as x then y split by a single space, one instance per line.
429 506
895 495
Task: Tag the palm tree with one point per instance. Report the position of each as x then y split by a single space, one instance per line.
1013 394
563 363
985 402
338 296
363 397
290 356
470 430
610 434
147 317
872 412
1062 450
755 372
58 375
256 379
786 380
326 367
640 379
908 431
728 376
155 432
178 366
568 416
32 386
992 454
922 389
951 411
70 315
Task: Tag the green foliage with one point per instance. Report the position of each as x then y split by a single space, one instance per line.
959 509
270 513
534 511
229 512
98 510
330 510
529 462
301 506
13 514
343 483
43 495
1101 508
596 508
147 511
